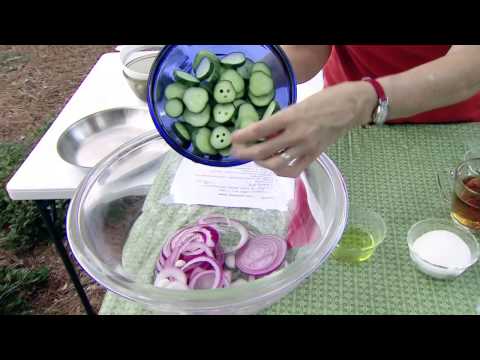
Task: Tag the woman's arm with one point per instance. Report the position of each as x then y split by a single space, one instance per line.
306 129
445 81
307 60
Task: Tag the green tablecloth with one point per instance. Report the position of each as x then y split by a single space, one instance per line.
391 170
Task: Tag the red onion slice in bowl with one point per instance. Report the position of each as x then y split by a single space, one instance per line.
222 220
194 249
172 273
203 280
261 255
213 263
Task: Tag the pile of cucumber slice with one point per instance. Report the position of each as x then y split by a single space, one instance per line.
221 95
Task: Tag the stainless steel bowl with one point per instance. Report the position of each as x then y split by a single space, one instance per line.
110 199
92 138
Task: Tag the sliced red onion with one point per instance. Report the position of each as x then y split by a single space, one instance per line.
188 236
197 270
179 263
158 266
176 285
179 235
215 236
227 275
172 273
214 265
161 260
222 220
195 248
208 235
175 255
167 250
225 283
203 280
238 282
219 254
230 261
261 255
161 282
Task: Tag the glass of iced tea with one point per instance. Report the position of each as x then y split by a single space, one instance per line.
465 197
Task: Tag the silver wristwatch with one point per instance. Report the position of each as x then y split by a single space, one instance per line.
380 114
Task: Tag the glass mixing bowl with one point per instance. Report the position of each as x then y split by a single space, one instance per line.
110 199
173 57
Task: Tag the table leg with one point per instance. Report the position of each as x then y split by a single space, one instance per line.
48 211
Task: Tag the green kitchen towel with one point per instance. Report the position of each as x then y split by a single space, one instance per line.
391 170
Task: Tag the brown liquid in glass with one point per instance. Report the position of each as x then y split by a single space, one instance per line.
466 204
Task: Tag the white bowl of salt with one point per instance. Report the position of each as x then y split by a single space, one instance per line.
442 249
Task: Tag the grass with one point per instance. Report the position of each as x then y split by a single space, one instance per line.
16 286
21 228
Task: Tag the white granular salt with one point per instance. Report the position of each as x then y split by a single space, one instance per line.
444 248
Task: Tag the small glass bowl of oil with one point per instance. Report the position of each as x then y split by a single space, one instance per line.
365 231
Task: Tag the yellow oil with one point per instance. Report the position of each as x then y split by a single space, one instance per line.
356 245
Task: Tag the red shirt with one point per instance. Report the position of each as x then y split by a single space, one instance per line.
350 63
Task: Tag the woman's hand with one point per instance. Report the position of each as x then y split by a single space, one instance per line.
296 136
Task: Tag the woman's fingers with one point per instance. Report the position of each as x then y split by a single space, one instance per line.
262 129
296 168
288 158
266 149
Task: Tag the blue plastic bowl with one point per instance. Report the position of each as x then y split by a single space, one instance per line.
173 57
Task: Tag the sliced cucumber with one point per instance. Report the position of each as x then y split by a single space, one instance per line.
195 99
224 92
217 97
182 133
214 76
247 111
212 124
261 101
260 111
240 95
246 69
205 69
271 109
174 108
202 141
236 80
204 54
185 78
189 127
175 91
225 152
223 113
220 138
261 67
234 59
207 86
260 84
244 122
222 69
239 102
197 119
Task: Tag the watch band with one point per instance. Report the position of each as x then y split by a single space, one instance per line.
380 113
